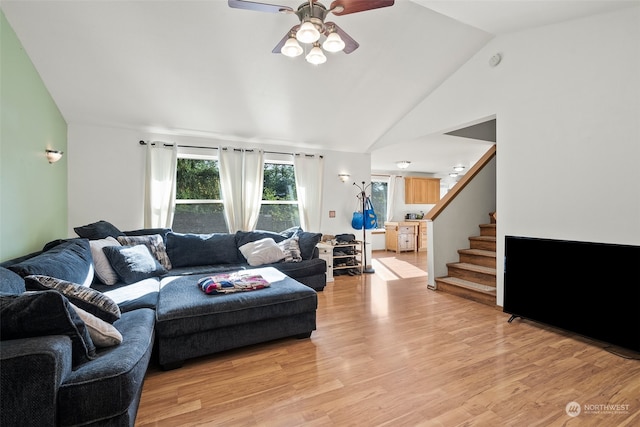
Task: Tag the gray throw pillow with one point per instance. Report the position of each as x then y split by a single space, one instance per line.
133 263
98 230
88 299
154 242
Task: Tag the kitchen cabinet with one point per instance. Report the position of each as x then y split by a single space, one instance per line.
400 236
418 190
421 239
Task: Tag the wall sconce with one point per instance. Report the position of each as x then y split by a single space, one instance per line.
344 177
403 164
53 155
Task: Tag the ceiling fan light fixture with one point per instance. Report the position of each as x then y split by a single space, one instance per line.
308 33
316 56
333 43
291 48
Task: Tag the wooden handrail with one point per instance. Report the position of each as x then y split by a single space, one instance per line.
475 169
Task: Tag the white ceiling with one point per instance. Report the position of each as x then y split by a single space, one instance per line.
202 68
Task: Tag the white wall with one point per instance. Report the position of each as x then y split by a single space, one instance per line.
567 102
106 177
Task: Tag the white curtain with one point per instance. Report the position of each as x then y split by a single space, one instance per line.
391 198
241 182
160 185
309 171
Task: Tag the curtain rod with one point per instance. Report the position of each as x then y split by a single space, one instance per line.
141 142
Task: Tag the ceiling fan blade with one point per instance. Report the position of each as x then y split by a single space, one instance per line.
281 43
353 6
349 43
260 7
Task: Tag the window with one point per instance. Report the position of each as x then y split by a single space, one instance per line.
379 192
279 209
199 207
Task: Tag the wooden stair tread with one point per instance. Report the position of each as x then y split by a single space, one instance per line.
488 225
490 290
478 252
472 267
486 238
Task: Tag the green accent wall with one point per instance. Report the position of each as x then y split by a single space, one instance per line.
33 193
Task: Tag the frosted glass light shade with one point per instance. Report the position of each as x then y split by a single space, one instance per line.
316 56
333 43
291 48
308 33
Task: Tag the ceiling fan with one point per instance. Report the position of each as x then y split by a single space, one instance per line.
312 26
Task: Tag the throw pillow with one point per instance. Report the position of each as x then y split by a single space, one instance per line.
308 242
291 249
149 231
98 230
36 314
264 251
10 282
155 244
104 271
102 334
290 232
133 263
84 297
187 250
70 260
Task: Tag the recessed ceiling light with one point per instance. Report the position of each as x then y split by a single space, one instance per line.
453 174
458 168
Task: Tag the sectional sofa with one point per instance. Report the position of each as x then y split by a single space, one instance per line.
81 319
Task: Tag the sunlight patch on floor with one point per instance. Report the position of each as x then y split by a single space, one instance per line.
392 268
383 272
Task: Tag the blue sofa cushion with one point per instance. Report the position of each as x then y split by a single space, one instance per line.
37 314
149 231
10 282
98 230
108 387
308 242
133 263
71 260
202 249
86 298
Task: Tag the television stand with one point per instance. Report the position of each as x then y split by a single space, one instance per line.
512 318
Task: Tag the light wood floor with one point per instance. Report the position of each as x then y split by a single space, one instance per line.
390 352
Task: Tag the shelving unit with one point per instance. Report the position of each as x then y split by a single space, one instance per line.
352 257
341 256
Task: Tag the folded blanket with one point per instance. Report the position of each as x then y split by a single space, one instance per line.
232 282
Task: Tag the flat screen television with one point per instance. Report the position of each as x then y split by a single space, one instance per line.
592 289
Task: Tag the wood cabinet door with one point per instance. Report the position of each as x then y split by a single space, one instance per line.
421 190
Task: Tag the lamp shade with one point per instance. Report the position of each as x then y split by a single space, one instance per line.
316 56
308 33
53 155
333 43
291 48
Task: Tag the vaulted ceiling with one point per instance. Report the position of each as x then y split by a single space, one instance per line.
202 68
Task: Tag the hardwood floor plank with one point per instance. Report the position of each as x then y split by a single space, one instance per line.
390 352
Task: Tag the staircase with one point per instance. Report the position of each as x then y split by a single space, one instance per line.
474 276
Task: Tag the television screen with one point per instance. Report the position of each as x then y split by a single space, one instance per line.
592 289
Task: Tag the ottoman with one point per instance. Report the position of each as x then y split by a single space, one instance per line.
190 323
